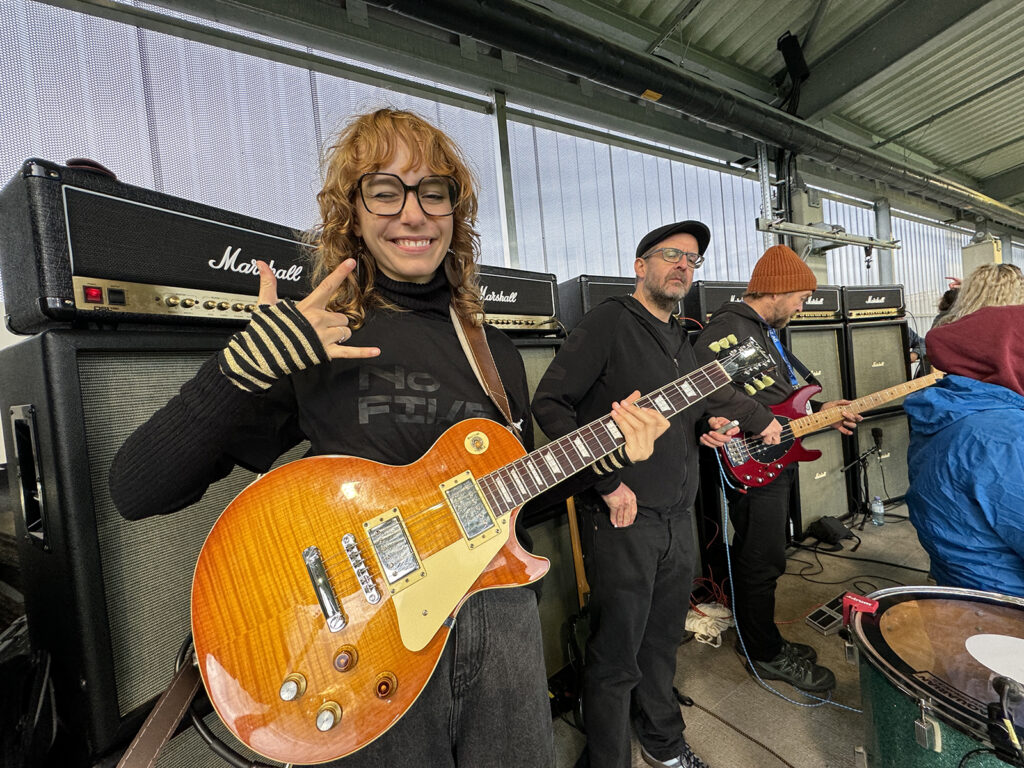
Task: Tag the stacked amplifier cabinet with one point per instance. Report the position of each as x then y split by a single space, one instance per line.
704 298
578 296
520 302
816 337
877 344
81 248
108 599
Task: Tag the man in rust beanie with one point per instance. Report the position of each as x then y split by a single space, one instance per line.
777 289
966 456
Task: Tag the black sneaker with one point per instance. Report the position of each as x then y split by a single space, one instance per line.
798 672
805 652
686 759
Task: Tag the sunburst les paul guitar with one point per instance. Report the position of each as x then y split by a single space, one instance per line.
325 592
752 462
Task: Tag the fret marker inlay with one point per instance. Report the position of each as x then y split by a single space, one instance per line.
581 446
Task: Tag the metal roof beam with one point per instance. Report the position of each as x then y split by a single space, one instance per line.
1006 185
906 33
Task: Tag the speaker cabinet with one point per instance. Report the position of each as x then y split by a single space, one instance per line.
886 469
537 355
107 598
822 348
878 357
821 485
578 296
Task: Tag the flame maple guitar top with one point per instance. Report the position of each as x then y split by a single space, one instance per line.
257 621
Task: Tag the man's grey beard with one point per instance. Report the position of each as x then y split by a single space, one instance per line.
662 300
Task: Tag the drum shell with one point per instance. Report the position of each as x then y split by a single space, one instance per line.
892 696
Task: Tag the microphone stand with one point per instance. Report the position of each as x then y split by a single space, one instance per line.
863 503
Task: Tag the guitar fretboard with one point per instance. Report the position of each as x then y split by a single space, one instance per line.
523 479
817 421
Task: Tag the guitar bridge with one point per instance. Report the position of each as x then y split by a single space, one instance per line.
735 452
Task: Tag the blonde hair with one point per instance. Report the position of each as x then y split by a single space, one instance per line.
367 143
990 285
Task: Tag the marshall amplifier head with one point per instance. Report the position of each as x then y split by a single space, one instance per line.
578 296
705 297
520 301
873 302
822 306
78 246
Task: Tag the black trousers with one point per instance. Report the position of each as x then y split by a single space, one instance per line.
640 579
759 518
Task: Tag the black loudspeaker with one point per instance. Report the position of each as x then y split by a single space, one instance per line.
578 296
886 469
821 485
877 357
822 348
549 530
107 598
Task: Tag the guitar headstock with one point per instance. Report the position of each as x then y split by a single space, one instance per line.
745 362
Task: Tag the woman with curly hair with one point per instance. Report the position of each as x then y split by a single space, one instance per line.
369 364
990 285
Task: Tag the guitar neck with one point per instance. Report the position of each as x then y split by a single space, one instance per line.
518 482
826 418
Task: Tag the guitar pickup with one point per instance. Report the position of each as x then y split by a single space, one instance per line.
472 513
394 550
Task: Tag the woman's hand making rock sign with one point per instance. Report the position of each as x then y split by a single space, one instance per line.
286 336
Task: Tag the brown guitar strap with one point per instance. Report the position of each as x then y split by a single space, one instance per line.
474 344
163 720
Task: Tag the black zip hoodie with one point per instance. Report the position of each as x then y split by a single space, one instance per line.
752 411
619 347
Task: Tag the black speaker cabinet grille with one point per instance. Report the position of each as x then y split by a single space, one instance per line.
821 484
819 349
878 358
893 465
147 565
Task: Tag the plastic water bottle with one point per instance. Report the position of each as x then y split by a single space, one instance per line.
877 511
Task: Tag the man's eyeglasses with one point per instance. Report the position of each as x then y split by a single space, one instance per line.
674 256
385 194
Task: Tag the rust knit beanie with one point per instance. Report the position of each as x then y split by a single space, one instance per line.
780 270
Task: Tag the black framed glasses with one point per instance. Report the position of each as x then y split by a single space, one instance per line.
384 194
674 256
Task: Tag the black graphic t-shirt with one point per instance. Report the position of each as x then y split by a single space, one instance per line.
390 408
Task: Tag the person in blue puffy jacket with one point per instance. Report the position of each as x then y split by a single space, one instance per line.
966 454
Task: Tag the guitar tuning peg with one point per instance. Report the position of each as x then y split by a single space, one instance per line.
749 389
715 347
732 338
767 380
759 384
724 342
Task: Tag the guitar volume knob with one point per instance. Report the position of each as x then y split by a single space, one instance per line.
294 685
328 716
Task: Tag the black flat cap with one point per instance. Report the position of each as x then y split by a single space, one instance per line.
689 227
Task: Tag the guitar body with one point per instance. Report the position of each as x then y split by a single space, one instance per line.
261 630
755 464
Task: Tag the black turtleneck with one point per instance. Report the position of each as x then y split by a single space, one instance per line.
432 297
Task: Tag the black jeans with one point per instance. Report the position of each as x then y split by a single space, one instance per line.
759 518
640 580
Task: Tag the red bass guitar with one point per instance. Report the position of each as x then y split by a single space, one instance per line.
750 461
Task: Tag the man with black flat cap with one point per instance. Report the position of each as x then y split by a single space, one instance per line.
637 531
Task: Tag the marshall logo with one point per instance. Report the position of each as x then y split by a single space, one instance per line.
734 297
229 263
500 296
811 300
878 364
820 475
875 300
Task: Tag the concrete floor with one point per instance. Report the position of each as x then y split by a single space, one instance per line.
735 723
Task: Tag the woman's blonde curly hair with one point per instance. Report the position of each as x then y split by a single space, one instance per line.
990 285
369 142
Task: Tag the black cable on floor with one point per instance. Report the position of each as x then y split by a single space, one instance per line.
765 747
969 755
864 559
